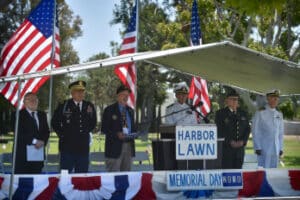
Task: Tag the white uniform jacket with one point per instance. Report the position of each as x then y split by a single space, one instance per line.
267 131
184 117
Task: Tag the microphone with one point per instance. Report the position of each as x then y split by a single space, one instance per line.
193 107
206 120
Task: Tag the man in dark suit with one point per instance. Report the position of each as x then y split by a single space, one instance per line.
117 125
33 130
233 125
73 121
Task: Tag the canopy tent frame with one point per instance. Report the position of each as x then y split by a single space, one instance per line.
224 62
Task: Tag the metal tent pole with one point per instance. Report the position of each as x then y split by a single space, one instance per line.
15 142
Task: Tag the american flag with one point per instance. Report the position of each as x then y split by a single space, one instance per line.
127 72
30 50
198 87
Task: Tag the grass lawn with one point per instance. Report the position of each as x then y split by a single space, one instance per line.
291 158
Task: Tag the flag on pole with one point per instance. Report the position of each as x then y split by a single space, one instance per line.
127 71
198 87
31 49
199 92
196 37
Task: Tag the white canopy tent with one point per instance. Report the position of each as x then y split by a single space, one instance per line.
224 62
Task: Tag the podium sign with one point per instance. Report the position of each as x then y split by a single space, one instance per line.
194 142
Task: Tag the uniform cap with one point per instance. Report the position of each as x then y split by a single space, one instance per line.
122 88
232 93
181 88
273 92
77 85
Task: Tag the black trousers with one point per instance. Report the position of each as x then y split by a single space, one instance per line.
232 158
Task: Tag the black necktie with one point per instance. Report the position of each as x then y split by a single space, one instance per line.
78 106
32 114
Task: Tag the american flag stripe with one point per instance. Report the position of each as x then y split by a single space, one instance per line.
127 72
204 97
198 88
30 50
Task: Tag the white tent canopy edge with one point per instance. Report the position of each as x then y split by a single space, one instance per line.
224 62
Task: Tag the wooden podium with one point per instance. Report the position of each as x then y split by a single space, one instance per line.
164 153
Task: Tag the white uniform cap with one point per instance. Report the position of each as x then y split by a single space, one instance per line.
181 88
273 92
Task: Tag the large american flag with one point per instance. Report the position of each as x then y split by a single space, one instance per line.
198 87
127 72
30 50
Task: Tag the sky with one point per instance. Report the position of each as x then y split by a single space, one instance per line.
97 33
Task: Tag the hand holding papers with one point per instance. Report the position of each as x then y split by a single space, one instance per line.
135 135
34 154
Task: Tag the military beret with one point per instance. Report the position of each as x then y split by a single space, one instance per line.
77 85
232 93
181 88
273 92
122 88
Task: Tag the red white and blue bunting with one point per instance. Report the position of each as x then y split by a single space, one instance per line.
143 185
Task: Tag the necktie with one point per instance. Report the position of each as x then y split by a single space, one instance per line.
124 118
78 107
32 114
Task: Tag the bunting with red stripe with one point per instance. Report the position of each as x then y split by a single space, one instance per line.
32 48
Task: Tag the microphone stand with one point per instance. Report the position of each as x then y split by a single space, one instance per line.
205 119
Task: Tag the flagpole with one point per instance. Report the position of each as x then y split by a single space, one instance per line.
51 81
136 46
137 24
15 142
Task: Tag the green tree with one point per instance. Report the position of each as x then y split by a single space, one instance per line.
101 83
287 109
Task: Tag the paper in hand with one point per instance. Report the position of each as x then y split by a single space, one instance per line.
34 154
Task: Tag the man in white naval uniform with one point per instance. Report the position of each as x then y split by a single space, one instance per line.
182 113
267 130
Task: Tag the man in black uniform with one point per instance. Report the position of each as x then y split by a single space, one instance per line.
73 121
233 125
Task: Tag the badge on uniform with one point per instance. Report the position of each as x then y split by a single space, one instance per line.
114 117
68 114
226 120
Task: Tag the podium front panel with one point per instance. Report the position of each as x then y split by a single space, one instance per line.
164 154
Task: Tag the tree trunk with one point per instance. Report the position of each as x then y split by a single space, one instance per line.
270 33
289 30
247 34
237 24
278 23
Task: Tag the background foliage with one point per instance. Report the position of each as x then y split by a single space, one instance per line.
268 26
